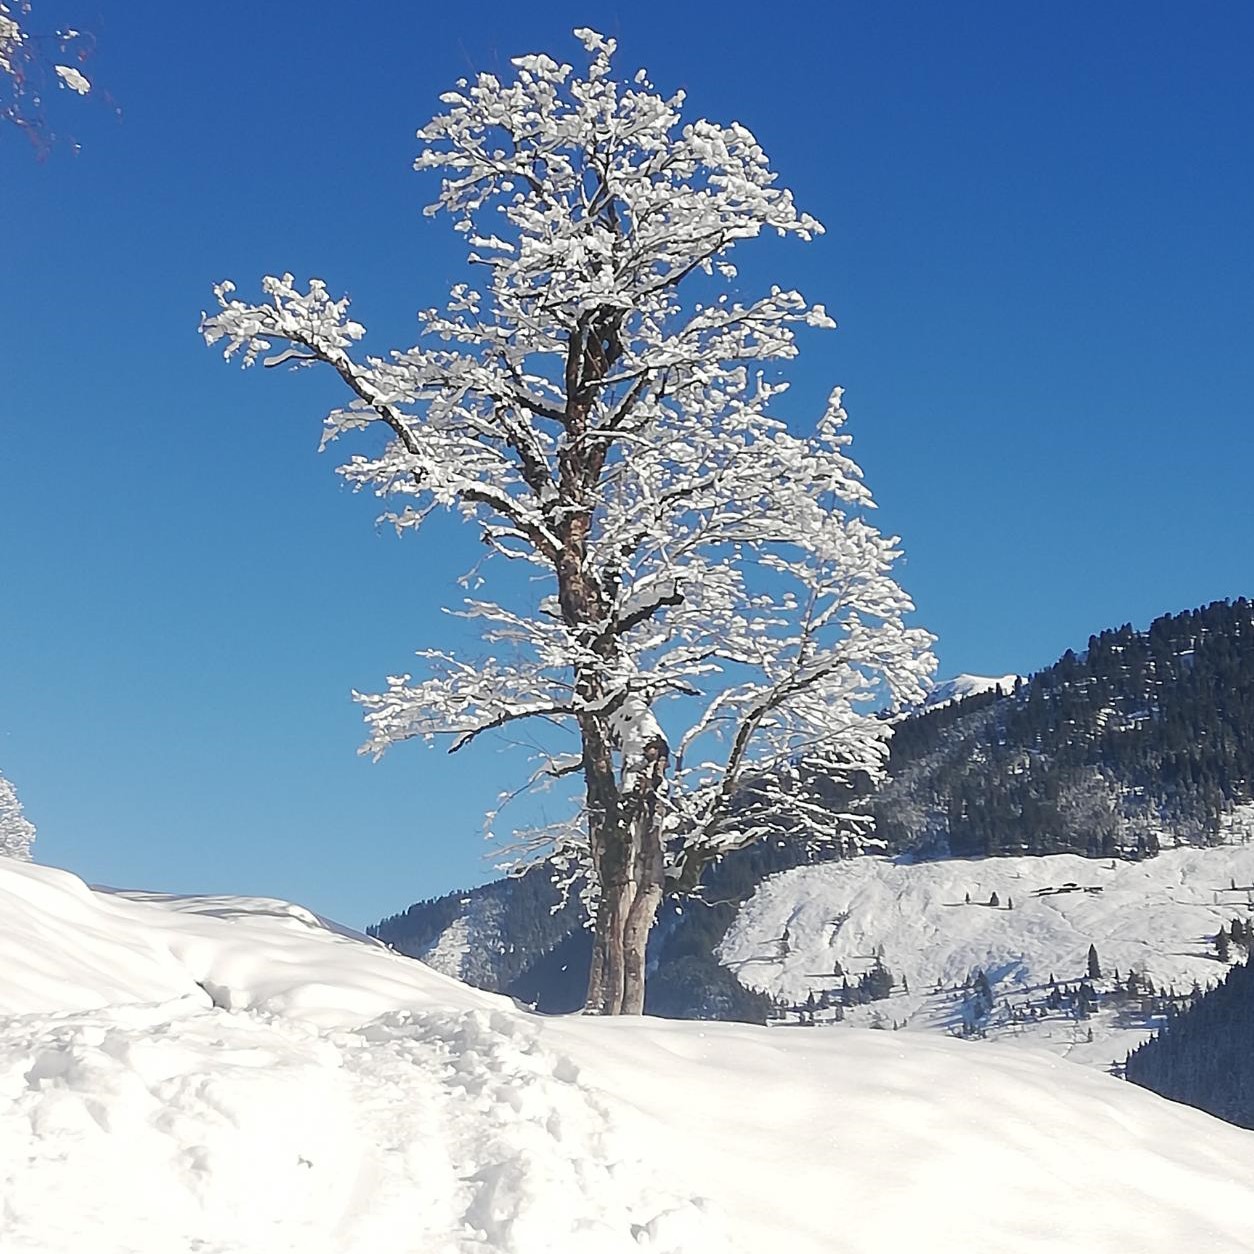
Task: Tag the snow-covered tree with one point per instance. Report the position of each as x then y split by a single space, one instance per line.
1094 964
32 60
17 832
716 620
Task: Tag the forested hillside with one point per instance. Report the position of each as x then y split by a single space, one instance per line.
1202 1057
1145 738
487 936
1144 734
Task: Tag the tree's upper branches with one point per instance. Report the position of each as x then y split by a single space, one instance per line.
28 60
605 398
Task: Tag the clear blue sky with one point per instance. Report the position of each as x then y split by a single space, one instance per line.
1039 250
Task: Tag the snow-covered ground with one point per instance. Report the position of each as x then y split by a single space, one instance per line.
931 923
224 1075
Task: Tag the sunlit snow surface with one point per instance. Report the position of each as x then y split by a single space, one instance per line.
931 922
353 1100
959 687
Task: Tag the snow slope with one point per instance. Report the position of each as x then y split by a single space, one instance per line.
1156 917
224 1075
959 686
462 949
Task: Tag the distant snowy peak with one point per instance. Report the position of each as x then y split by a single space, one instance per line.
961 686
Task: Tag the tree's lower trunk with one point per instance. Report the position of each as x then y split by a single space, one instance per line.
598 972
620 899
639 922
627 860
624 919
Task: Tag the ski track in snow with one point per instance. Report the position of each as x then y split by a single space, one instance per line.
347 1129
259 1112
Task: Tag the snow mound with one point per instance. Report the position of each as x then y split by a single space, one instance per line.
64 947
231 1074
234 1074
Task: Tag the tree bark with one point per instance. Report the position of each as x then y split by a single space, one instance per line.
625 916
623 831
608 866
629 859
638 924
646 871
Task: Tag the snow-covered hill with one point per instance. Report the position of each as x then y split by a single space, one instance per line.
960 686
931 922
227 1075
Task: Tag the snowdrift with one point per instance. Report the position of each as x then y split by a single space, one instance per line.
228 1074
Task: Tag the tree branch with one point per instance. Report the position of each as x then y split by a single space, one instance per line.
513 716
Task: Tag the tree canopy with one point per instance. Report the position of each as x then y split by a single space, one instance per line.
715 619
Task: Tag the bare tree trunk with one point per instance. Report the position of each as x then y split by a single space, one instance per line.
598 972
625 916
616 975
610 868
620 896
631 877
639 922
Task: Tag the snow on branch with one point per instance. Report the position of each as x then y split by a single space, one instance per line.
17 832
31 58
459 701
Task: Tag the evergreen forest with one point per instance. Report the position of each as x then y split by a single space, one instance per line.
1202 1055
1145 732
